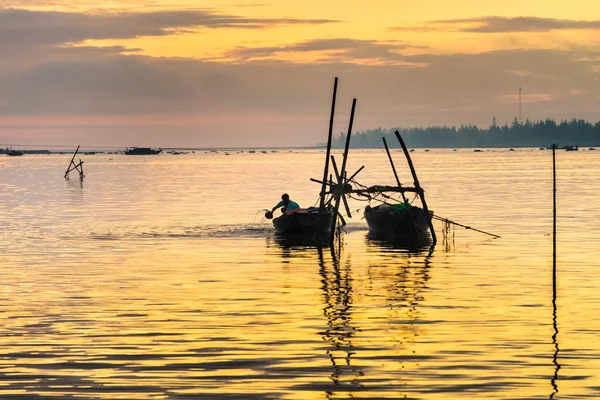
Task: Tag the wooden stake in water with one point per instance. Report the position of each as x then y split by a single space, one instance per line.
554 379
72 166
554 218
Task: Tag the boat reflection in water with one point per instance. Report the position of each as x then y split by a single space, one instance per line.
298 242
337 287
363 303
419 244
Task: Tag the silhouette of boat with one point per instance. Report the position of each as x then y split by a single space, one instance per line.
398 222
567 148
11 152
141 151
304 221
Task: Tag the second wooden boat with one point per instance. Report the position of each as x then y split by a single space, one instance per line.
398 222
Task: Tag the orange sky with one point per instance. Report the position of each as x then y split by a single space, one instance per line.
250 74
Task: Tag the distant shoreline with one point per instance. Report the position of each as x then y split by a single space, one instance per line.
543 133
178 151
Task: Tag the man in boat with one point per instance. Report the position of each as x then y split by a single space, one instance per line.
286 204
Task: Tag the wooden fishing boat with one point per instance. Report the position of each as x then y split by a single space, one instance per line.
398 223
304 221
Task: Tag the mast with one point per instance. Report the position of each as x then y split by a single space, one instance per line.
339 190
328 151
417 186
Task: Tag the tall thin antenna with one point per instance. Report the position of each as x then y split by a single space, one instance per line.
520 119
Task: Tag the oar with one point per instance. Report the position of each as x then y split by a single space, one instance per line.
464 226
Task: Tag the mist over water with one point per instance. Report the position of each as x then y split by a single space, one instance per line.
157 278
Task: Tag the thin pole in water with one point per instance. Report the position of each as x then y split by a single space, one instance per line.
554 219
554 307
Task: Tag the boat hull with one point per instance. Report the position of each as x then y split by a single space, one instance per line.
409 225
304 223
141 151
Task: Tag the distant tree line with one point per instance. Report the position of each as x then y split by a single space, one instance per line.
542 133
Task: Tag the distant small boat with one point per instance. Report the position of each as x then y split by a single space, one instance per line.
13 153
567 148
141 151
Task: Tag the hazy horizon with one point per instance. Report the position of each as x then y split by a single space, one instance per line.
261 75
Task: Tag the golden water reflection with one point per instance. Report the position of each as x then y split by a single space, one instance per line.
141 284
398 281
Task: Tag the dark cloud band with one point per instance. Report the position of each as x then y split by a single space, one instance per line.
495 24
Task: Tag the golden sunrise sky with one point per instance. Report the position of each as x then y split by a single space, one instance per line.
230 73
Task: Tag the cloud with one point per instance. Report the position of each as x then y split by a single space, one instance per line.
22 28
528 98
334 50
495 24
99 96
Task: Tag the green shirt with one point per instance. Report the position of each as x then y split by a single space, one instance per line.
292 205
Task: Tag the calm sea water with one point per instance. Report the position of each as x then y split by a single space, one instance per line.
157 278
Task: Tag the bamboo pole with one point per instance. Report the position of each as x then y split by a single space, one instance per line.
418 186
81 175
76 167
464 226
554 217
345 159
328 151
343 188
375 189
73 158
554 306
340 182
387 150
356 173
